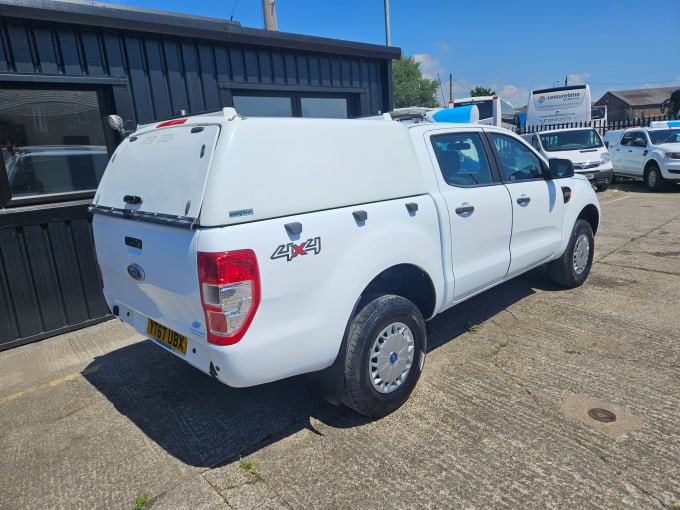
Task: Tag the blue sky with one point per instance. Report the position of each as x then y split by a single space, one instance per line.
508 46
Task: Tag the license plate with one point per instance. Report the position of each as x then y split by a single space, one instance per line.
167 337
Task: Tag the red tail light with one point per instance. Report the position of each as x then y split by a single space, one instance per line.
230 293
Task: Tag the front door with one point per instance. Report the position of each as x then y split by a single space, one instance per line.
537 205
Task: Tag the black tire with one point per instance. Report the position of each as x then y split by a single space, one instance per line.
389 329
653 178
573 267
602 187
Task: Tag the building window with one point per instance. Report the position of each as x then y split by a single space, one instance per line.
52 142
293 104
264 106
324 107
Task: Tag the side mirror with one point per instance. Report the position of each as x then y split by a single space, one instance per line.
118 124
561 168
115 122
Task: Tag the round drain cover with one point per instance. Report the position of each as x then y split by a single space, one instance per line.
600 414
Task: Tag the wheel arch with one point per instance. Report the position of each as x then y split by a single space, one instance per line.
591 215
651 162
406 280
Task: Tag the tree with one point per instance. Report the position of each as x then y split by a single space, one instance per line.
482 91
409 86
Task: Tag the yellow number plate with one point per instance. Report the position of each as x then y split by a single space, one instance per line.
167 337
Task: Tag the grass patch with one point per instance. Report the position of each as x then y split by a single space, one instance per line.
500 345
248 466
140 502
472 327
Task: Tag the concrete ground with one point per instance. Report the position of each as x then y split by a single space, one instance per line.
102 419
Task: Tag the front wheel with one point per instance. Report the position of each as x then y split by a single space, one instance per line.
386 346
653 178
573 267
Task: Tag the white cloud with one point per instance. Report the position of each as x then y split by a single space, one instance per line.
518 97
429 65
578 79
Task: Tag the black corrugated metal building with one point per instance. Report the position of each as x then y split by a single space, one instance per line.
65 65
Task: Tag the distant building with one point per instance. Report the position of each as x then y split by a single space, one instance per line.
626 105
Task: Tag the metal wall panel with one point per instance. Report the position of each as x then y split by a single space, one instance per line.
49 279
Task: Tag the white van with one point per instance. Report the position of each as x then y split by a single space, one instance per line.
583 146
558 106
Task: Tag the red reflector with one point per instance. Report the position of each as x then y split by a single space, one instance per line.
217 323
173 122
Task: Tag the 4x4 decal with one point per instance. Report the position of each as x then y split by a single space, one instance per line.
291 250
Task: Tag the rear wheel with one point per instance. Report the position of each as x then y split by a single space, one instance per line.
386 347
573 267
653 178
602 187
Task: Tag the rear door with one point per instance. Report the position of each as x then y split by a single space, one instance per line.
480 214
537 204
632 150
637 152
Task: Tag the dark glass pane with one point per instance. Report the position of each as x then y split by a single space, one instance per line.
262 106
52 140
324 107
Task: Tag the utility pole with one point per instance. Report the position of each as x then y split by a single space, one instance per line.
387 23
269 11
450 90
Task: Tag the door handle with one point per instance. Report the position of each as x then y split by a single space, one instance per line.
465 209
132 199
523 200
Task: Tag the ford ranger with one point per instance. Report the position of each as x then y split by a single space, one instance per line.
262 248
650 153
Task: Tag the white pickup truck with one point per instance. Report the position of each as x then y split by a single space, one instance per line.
650 153
262 248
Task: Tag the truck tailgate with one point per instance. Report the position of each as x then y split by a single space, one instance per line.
145 208
149 269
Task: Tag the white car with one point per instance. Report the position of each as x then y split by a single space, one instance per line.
650 153
582 146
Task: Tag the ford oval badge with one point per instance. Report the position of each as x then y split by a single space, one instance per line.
136 272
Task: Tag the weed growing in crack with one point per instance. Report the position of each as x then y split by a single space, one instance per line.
140 502
248 466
